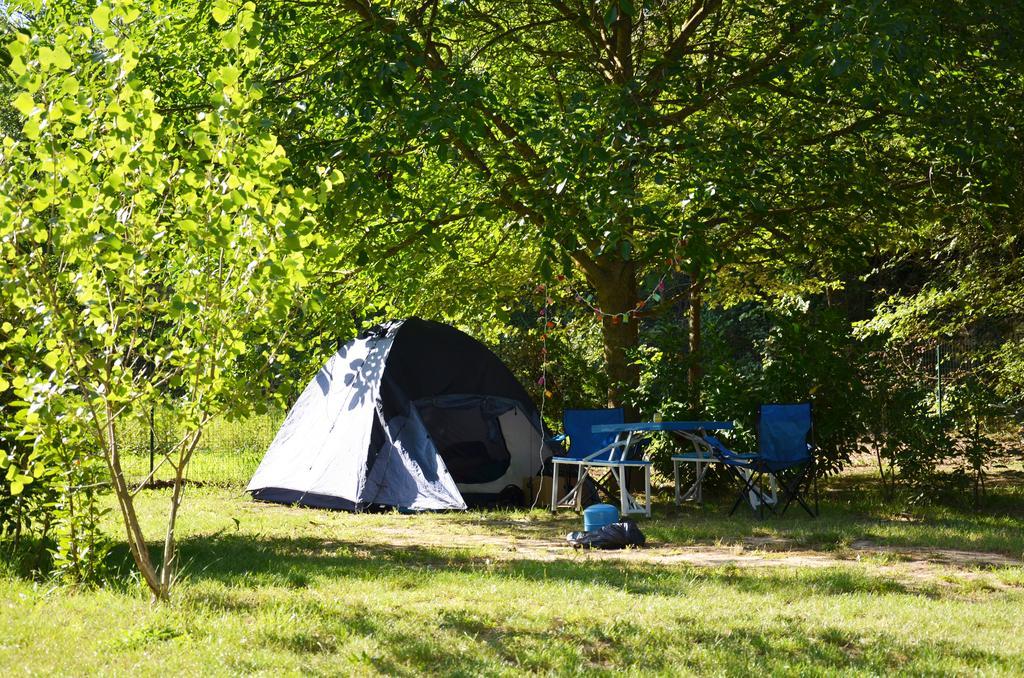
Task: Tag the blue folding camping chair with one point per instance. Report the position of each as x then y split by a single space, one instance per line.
785 457
614 452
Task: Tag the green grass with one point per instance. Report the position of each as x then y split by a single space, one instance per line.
269 589
852 510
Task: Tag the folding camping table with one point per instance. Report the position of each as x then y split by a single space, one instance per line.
690 431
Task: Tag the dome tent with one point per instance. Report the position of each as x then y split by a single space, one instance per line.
412 414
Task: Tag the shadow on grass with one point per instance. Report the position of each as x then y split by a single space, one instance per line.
434 614
466 637
297 562
850 513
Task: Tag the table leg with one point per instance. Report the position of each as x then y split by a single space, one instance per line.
623 492
675 477
647 489
554 488
700 481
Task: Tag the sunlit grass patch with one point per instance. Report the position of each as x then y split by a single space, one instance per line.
862 590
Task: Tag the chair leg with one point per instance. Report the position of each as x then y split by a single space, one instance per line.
745 481
760 497
798 493
792 490
814 472
647 489
799 500
604 483
787 489
675 477
572 498
579 487
751 491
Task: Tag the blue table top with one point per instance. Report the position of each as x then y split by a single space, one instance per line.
663 426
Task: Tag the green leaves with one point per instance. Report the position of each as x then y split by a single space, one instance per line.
101 17
57 58
222 11
228 74
18 482
24 103
231 39
69 86
153 257
18 478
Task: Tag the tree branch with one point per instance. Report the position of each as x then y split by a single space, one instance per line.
678 47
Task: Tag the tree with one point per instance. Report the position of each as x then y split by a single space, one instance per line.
148 258
764 146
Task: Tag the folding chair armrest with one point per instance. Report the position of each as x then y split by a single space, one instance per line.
719 449
737 458
745 456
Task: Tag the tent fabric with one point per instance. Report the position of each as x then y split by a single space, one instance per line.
412 414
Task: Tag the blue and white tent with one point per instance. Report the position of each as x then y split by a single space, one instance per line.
412 414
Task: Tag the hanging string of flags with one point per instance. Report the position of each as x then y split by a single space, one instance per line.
589 300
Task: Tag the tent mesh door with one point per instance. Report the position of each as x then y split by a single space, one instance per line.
469 440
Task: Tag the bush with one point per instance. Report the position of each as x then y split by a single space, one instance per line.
754 355
868 395
49 514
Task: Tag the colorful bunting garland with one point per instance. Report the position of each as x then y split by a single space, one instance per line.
548 324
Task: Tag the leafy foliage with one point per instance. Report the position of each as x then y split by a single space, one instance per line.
768 149
200 199
148 256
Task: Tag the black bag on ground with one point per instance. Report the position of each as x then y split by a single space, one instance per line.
613 536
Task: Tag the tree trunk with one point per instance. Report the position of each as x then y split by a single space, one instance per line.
167 569
136 540
170 543
615 285
693 376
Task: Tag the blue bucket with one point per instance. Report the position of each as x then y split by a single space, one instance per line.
597 516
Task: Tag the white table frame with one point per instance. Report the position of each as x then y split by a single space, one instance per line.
705 456
628 505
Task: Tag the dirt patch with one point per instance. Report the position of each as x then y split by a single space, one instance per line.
955 557
501 539
914 565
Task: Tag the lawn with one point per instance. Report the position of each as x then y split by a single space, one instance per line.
273 589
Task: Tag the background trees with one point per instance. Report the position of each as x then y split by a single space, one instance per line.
763 150
714 203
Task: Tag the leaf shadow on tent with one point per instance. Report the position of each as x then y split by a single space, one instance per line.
363 373
323 379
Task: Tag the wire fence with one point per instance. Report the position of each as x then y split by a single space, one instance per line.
965 366
227 454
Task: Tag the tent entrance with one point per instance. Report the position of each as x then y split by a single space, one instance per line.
467 434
